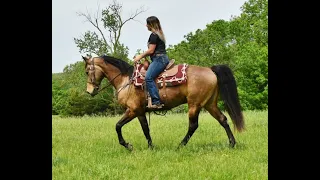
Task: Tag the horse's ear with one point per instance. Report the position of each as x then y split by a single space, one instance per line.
85 59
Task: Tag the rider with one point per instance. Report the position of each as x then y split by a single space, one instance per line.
157 52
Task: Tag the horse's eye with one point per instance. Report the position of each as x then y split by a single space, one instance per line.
87 72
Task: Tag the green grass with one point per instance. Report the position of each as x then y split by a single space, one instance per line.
88 148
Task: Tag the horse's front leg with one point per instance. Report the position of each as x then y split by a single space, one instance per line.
127 117
144 124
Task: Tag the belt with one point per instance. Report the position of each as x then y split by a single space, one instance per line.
159 54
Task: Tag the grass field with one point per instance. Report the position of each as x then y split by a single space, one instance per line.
88 148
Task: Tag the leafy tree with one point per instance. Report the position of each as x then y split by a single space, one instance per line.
110 31
250 30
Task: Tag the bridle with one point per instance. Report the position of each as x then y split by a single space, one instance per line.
92 75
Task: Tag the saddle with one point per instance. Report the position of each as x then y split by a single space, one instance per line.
172 75
168 67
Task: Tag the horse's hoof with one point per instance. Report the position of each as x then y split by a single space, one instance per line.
150 146
180 146
231 145
129 147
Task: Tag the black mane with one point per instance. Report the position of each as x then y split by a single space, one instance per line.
123 66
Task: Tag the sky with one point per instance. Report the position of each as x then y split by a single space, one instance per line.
177 18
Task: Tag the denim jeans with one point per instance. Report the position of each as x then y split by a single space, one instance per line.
155 68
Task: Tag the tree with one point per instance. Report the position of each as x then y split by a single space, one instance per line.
250 30
210 46
112 23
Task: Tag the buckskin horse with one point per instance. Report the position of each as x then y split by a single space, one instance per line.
198 86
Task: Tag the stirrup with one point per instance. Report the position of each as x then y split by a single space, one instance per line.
156 106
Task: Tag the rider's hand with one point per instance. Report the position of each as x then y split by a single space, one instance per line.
136 58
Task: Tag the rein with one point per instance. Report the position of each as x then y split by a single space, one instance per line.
109 83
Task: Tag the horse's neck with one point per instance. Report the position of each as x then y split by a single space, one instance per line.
116 78
120 81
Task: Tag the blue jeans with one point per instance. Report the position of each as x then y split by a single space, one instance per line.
155 68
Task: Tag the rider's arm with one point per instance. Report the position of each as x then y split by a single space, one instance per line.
150 51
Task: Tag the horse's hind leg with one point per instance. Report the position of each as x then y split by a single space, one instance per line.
193 123
213 109
144 124
222 119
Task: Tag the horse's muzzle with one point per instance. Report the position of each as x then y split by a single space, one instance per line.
94 92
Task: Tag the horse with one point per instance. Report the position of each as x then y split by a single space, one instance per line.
201 90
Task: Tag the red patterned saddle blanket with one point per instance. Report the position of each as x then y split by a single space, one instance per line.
171 77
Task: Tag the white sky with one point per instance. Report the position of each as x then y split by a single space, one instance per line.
177 17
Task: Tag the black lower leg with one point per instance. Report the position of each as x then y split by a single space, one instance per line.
119 132
192 128
226 126
144 124
124 120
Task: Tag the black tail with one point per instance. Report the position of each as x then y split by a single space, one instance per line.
229 94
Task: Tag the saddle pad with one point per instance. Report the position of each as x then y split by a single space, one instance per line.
172 77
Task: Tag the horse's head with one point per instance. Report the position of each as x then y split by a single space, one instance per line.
94 73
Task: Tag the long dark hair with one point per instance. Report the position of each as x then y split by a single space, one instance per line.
155 26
